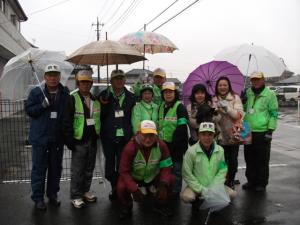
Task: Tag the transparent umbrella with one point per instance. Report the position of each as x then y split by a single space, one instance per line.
250 57
26 70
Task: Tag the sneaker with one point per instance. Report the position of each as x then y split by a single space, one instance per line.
89 197
78 203
40 205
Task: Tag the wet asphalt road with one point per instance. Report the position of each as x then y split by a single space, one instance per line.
280 205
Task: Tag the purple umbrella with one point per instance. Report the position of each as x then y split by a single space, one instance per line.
208 74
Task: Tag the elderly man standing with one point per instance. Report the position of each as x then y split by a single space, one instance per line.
261 112
145 165
116 129
45 106
81 129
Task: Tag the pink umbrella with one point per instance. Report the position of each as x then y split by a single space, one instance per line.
149 42
208 74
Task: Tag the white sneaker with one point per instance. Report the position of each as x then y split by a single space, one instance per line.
89 197
78 203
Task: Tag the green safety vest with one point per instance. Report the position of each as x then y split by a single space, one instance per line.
146 172
167 125
157 99
79 119
143 111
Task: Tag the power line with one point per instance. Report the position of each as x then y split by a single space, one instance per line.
115 12
122 15
127 15
190 5
51 6
158 15
108 10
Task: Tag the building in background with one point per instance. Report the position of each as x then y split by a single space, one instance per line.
12 42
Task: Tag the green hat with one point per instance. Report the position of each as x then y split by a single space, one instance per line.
207 126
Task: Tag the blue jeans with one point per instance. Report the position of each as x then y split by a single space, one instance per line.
177 171
45 158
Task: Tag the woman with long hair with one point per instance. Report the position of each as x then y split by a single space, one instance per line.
230 112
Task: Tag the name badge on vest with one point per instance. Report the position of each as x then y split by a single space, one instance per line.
53 115
251 111
119 113
90 122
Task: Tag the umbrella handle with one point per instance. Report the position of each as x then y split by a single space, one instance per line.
36 77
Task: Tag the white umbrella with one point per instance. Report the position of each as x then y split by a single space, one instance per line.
26 70
249 58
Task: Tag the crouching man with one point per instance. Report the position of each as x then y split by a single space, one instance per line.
145 166
203 167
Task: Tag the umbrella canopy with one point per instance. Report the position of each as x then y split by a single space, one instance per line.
149 42
18 76
105 53
208 74
249 58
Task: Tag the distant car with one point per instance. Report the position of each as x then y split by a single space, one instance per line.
289 94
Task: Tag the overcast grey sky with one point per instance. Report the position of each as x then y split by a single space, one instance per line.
200 33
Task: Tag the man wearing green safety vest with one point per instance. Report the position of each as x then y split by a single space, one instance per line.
145 166
82 128
261 110
146 109
172 126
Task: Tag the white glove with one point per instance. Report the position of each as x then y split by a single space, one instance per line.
45 103
223 104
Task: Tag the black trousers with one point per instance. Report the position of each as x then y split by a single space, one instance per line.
257 157
112 152
231 153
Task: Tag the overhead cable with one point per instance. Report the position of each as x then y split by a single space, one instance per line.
158 15
51 6
175 15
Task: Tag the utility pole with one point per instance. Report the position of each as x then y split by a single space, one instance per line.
98 30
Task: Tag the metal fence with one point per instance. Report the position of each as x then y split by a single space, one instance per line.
15 151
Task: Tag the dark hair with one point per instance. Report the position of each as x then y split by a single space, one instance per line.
229 85
146 89
202 88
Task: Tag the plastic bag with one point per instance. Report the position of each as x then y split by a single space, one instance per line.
215 198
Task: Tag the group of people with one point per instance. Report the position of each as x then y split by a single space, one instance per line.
151 141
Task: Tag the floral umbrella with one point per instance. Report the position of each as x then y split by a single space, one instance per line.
149 42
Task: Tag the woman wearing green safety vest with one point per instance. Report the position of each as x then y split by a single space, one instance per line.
146 109
81 129
145 167
172 123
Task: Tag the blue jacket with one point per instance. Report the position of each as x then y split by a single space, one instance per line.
43 129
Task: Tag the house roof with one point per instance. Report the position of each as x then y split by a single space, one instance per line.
138 72
290 80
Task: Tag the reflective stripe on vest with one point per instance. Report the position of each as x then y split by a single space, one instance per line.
167 125
79 119
143 171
